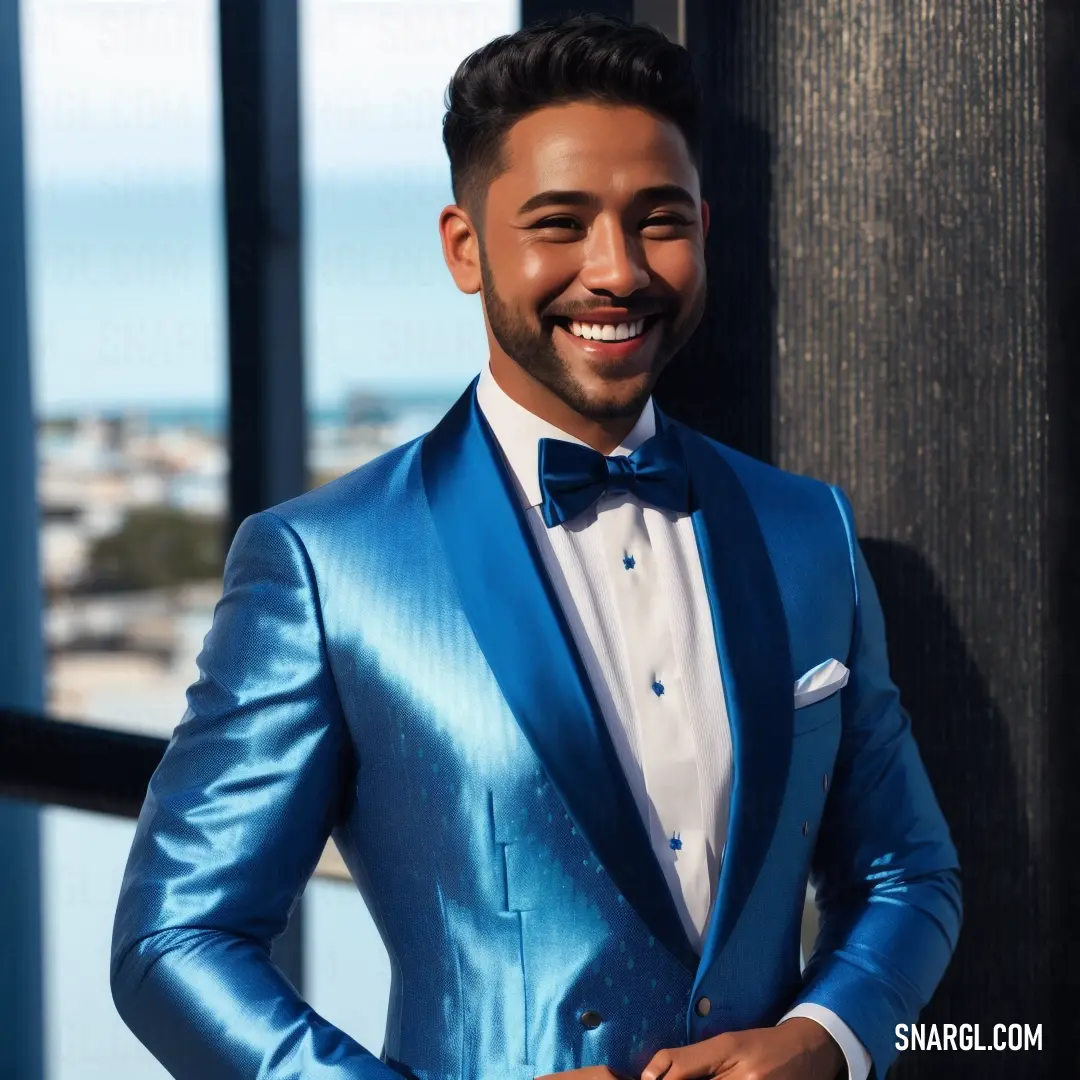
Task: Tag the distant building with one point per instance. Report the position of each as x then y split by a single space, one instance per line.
364 409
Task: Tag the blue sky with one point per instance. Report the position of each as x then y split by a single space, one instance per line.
126 94
129 87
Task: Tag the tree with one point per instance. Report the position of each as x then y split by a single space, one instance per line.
157 547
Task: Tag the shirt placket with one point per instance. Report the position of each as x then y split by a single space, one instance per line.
665 737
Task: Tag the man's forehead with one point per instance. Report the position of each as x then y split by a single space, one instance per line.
558 148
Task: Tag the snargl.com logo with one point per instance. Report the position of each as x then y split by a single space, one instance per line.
968 1037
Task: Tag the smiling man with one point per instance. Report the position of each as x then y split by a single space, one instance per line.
584 697
594 235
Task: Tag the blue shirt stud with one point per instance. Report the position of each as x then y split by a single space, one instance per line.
658 687
628 562
675 843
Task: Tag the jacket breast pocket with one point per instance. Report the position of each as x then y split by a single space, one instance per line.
811 717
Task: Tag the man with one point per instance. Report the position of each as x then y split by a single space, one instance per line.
583 697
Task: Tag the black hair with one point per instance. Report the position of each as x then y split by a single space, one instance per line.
584 58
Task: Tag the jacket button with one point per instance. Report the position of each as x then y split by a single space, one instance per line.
591 1019
703 1006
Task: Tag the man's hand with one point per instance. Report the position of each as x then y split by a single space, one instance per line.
797 1049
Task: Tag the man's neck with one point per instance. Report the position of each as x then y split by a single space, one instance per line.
602 435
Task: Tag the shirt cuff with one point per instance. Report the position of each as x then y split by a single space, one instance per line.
855 1054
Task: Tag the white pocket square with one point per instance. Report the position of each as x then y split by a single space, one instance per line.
819 682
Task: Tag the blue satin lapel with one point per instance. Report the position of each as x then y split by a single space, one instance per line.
518 621
755 660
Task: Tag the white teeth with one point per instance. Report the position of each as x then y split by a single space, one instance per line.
607 331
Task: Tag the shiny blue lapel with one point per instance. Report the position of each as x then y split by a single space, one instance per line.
750 627
520 626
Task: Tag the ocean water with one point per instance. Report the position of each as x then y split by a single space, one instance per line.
128 310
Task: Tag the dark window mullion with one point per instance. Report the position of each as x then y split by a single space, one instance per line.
260 110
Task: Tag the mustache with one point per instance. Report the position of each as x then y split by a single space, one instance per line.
583 316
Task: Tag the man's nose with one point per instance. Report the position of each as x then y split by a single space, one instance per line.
614 260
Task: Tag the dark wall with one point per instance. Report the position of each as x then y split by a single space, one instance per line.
535 10
1063 566
893 284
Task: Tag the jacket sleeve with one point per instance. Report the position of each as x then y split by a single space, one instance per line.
885 869
234 822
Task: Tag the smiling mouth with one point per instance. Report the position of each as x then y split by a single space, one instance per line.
646 323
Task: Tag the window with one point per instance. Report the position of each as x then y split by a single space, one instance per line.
126 265
126 289
82 862
391 343
126 283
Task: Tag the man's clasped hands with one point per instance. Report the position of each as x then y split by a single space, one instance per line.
797 1049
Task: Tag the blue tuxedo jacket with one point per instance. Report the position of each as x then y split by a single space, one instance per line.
389 665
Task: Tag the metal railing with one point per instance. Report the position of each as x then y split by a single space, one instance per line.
63 763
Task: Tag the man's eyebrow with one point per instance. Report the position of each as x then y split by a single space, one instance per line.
656 193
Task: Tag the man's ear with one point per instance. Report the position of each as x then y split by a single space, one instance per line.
704 219
461 248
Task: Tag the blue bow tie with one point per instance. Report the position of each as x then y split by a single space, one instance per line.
573 477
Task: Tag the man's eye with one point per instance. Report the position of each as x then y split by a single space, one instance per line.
666 219
552 223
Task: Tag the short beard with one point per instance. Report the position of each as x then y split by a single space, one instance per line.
537 355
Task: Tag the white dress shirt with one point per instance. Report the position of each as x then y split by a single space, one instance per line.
624 564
